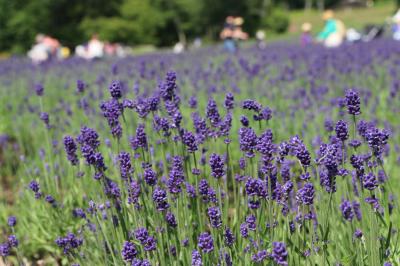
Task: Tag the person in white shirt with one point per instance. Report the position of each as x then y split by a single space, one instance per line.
95 48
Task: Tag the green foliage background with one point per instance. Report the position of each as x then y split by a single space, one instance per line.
133 22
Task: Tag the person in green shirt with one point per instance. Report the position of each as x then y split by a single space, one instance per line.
333 33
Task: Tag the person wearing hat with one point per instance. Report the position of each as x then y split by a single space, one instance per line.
238 33
227 34
232 33
306 37
334 31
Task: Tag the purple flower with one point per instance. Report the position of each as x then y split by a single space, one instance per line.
251 105
212 113
247 141
70 150
111 189
133 192
229 237
244 120
160 199
112 110
251 222
168 87
225 126
242 163
150 244
205 242
190 141
260 256
125 165
69 242
329 126
191 190
160 123
129 251
39 89
347 211
342 130
353 102
196 258
300 151
279 253
266 114
141 234
4 249
153 103
229 101
214 214
358 233
193 102
140 140
80 86
50 199
305 195
34 186
116 89
370 181
376 140
150 177
374 202
264 144
355 143
45 118
217 166
139 262
357 210
176 176
253 186
78 212
244 230
170 218
126 103
12 221
89 137
13 241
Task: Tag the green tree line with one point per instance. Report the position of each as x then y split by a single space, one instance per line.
159 22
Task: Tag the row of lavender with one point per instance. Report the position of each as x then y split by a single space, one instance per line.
282 156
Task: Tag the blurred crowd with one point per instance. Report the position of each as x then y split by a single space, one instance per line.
47 48
334 33
232 34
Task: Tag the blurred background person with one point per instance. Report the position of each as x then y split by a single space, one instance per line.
197 43
353 36
238 33
334 31
178 48
93 49
227 34
306 36
260 37
45 48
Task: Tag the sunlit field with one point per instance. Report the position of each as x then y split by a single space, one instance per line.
282 156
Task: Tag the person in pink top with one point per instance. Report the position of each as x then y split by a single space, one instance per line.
50 43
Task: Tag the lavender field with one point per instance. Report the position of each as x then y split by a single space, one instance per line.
282 156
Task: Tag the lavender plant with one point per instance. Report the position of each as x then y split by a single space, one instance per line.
262 158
